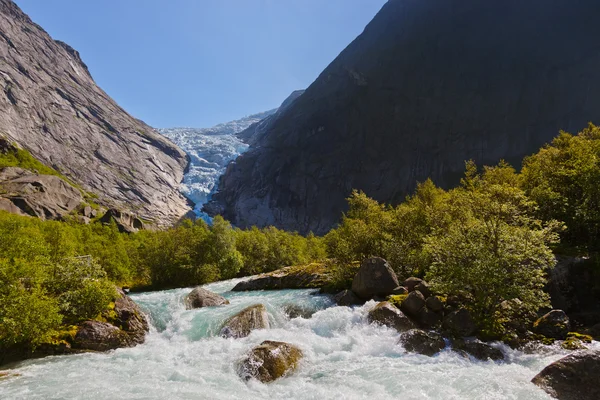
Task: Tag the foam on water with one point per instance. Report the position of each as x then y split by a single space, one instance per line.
344 358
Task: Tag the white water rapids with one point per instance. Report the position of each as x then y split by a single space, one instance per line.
344 358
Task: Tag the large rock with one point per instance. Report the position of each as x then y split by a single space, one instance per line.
244 322
574 377
269 361
387 314
201 297
347 298
311 276
478 350
42 196
459 323
52 107
411 283
126 222
422 342
99 336
412 98
130 319
375 277
413 304
554 324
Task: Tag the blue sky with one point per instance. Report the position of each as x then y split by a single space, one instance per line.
201 62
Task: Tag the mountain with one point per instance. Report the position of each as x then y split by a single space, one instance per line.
426 86
211 149
51 106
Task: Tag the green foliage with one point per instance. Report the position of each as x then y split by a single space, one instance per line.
480 240
562 178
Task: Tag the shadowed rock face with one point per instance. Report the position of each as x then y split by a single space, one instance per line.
428 85
51 106
42 196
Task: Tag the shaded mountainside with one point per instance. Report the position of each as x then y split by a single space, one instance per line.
51 106
426 86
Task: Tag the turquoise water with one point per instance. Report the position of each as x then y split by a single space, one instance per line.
345 358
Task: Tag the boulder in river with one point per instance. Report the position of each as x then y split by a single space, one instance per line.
296 311
311 276
375 277
413 304
554 324
459 323
422 342
478 350
130 319
244 322
201 297
385 313
99 336
347 298
574 377
270 361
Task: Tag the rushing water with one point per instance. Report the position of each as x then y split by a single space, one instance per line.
344 358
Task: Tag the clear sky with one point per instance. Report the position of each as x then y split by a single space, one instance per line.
201 62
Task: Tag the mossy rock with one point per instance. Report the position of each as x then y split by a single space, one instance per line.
397 299
241 324
270 361
572 343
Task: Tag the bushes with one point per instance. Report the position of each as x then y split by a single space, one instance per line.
480 240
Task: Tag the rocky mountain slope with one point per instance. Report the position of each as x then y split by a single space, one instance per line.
426 86
51 106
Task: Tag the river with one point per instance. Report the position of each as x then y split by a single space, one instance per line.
344 358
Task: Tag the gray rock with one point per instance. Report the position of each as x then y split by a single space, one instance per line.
459 323
347 298
574 377
478 350
423 287
554 324
53 108
375 277
201 297
387 314
312 276
241 324
411 283
422 342
296 311
126 222
42 196
428 319
400 290
99 336
130 319
270 361
413 304
434 304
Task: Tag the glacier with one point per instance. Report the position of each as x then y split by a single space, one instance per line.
210 150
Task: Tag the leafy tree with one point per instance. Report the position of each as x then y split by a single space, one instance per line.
493 250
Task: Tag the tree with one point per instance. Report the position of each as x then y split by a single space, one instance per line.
493 250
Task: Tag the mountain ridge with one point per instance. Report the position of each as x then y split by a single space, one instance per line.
425 87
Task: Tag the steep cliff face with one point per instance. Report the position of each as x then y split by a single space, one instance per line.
50 105
426 86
